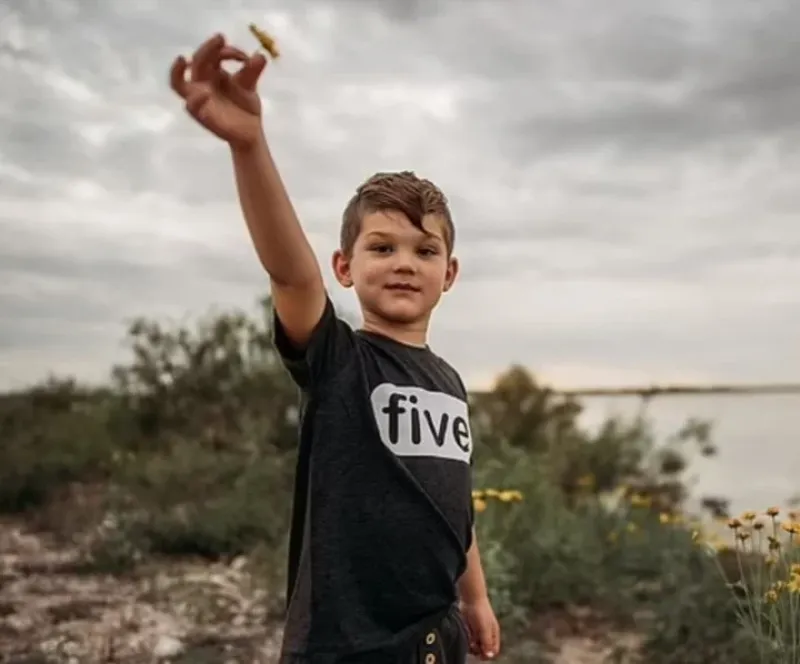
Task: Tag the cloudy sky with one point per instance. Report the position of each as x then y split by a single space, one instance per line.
624 183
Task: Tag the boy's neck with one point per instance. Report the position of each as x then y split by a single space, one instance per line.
413 334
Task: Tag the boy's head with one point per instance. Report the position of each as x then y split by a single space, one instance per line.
396 248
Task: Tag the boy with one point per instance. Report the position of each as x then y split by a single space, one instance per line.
382 544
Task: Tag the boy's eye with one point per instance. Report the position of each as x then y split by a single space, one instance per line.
381 248
428 251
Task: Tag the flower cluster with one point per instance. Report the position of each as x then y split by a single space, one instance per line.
750 524
789 585
768 592
481 497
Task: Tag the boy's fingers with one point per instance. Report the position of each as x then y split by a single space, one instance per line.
487 645
473 637
233 53
489 640
249 74
494 642
177 76
206 57
220 76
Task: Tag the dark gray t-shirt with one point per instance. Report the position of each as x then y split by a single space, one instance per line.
382 515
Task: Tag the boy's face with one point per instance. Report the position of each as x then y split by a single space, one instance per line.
398 272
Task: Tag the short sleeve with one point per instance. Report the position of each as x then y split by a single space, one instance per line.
329 349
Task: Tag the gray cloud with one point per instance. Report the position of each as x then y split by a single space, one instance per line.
623 181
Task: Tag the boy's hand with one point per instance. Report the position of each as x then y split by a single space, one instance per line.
226 104
484 630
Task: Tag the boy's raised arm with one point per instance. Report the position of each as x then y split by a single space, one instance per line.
229 107
298 292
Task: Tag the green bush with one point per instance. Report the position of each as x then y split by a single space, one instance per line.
50 436
191 502
632 565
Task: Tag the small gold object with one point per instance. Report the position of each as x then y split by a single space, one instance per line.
267 42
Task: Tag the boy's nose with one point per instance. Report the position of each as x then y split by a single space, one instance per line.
404 267
404 263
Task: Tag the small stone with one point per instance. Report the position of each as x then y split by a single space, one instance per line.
20 623
167 647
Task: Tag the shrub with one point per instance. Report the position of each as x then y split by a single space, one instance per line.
190 502
50 436
634 566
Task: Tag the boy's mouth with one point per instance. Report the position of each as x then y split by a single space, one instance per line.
403 287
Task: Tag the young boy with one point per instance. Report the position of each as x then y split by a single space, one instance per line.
383 563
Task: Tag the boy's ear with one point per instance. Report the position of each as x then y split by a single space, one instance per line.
341 268
451 274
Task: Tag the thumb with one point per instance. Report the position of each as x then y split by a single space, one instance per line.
247 77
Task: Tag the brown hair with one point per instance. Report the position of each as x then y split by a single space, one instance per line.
403 191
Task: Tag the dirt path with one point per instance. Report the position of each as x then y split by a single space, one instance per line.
53 611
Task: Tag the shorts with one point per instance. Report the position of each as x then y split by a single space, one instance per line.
445 644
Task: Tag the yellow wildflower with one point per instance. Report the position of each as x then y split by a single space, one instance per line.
734 524
510 496
771 597
265 40
773 511
791 527
479 504
664 518
748 516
